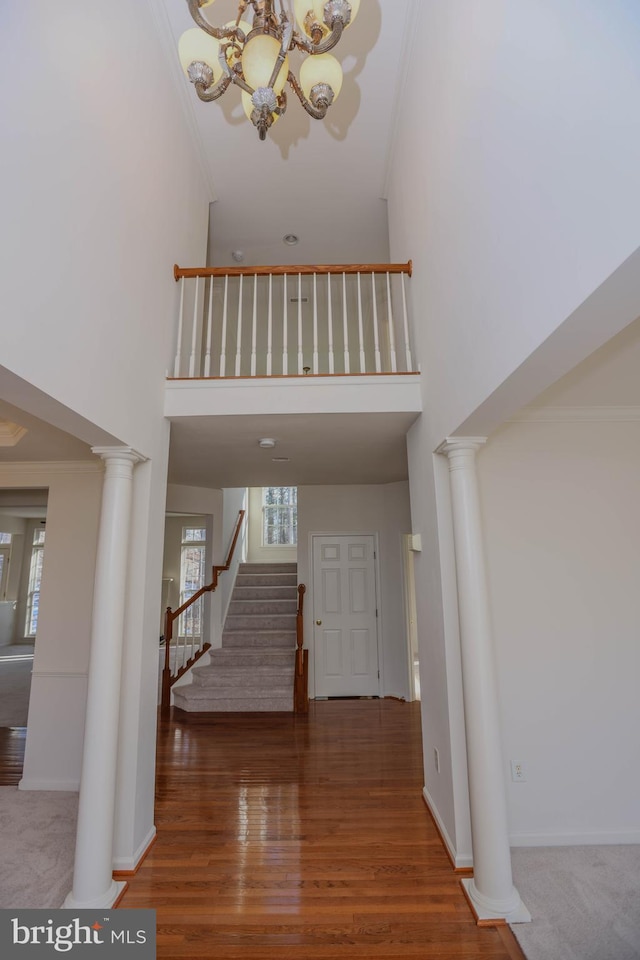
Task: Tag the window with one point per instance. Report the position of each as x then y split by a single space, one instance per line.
5 552
35 578
192 568
279 516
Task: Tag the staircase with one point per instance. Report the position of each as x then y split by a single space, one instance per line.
253 670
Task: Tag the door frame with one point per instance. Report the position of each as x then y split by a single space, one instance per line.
310 632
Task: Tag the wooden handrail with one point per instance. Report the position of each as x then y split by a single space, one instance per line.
168 679
305 270
301 672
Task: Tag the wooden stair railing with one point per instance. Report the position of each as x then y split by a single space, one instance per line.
301 673
169 677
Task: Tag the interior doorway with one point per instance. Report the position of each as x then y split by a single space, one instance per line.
345 615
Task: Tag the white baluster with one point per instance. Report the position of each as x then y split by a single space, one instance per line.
285 355
300 357
254 327
178 361
407 349
330 323
239 330
269 325
392 333
223 345
315 325
194 332
345 324
376 338
207 358
363 362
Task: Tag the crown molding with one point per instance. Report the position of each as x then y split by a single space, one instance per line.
10 433
603 414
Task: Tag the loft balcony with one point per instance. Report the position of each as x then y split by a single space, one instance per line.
292 339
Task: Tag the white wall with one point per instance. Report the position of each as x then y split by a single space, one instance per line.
104 193
381 509
562 535
513 181
512 186
235 499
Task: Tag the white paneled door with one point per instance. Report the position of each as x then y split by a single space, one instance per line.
344 616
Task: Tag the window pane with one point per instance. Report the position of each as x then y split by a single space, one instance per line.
38 537
191 534
5 538
280 516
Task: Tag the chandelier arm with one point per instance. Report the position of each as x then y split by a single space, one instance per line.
284 47
220 33
319 112
207 94
329 42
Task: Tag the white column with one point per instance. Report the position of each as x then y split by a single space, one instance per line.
491 891
93 885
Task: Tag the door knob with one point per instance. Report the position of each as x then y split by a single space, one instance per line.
318 623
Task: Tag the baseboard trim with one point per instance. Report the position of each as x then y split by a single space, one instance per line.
460 864
124 867
573 839
65 786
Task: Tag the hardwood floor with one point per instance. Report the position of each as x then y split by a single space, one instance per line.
303 837
12 744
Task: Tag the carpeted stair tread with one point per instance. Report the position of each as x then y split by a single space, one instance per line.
253 670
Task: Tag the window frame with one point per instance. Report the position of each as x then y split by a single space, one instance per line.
288 526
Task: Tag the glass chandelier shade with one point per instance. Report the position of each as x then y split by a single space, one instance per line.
255 55
258 61
198 47
323 69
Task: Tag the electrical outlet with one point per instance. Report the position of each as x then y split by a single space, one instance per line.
436 759
518 772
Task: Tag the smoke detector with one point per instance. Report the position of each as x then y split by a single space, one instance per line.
267 443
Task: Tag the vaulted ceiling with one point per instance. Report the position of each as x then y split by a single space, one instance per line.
321 180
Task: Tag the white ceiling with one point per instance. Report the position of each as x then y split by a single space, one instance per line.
322 449
322 180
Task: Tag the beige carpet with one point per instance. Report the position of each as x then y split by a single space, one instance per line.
584 901
37 840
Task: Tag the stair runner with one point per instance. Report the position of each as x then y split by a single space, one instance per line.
253 670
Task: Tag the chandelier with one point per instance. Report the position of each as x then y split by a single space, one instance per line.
255 55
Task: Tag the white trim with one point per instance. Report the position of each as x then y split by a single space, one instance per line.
75 674
602 414
460 862
45 468
405 57
572 839
187 96
319 382
130 863
66 786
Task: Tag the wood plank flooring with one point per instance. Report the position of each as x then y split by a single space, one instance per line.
303 837
12 744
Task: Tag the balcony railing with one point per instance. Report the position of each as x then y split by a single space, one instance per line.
292 321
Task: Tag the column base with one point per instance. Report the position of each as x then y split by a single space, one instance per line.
513 912
106 900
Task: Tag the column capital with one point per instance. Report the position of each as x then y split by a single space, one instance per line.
460 444
119 453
